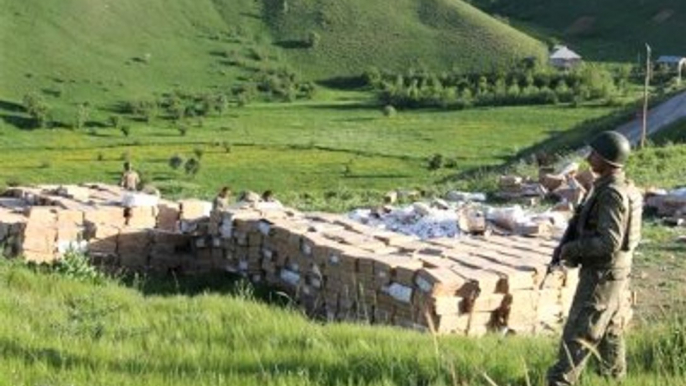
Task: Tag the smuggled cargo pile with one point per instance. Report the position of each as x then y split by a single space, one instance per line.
569 184
332 266
449 218
670 205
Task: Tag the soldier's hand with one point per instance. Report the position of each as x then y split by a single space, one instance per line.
567 256
556 255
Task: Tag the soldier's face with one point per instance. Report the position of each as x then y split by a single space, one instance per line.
596 162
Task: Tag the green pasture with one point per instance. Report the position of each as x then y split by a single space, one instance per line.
290 148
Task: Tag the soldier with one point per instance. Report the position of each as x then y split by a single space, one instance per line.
129 178
221 201
601 238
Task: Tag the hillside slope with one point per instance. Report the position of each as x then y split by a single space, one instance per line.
356 34
85 50
613 30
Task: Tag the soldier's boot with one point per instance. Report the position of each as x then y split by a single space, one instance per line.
612 350
572 357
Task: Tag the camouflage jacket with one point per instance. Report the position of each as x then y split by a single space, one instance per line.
607 226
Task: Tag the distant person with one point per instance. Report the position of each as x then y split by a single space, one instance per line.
269 201
129 178
249 197
221 201
600 238
268 196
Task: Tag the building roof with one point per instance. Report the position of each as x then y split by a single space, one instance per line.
670 59
562 52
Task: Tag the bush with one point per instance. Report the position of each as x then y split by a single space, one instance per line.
389 111
126 130
176 161
38 109
192 166
435 162
77 266
115 121
183 130
199 152
313 39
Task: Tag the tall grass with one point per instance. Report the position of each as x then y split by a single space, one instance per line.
57 330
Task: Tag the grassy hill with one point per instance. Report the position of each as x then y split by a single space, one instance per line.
440 34
102 52
610 30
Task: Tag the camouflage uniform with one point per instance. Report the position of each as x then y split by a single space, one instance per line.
220 203
607 232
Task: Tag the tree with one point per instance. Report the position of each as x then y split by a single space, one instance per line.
192 166
435 162
82 114
115 121
313 39
37 108
176 161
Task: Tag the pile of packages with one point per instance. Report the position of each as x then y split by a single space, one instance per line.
455 217
671 205
343 270
567 184
331 265
116 227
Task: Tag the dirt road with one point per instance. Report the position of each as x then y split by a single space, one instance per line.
658 118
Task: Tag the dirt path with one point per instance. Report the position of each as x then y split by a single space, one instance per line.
658 118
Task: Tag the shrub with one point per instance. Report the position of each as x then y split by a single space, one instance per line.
313 39
82 114
199 152
192 166
100 156
389 111
37 108
183 130
77 266
435 162
115 121
176 161
126 130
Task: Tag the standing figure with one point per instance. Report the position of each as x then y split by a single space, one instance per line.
129 178
601 239
221 201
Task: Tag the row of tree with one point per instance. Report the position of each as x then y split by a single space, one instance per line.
518 86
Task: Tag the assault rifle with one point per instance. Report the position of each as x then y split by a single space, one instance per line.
556 262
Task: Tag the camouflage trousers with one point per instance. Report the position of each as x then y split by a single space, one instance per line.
599 314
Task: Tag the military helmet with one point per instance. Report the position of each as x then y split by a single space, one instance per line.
612 146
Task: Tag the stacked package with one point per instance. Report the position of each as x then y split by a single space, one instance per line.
332 266
669 205
342 270
520 189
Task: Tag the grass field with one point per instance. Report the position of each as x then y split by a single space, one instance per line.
290 148
105 53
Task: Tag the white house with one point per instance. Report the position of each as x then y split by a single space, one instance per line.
677 63
564 58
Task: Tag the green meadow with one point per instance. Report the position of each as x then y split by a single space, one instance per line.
290 148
